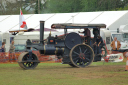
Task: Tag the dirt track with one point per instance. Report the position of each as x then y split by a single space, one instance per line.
58 74
90 72
102 71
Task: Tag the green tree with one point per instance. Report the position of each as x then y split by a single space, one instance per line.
103 5
38 7
63 6
98 5
7 7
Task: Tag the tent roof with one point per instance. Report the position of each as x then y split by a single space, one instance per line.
110 18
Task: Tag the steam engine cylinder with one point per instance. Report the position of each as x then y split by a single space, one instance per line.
51 50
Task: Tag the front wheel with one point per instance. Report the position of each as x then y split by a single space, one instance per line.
25 63
81 55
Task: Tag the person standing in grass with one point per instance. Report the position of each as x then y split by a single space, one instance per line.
3 47
2 50
115 44
12 51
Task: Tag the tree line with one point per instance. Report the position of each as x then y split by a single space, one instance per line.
57 6
60 6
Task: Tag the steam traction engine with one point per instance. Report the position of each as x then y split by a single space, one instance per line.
70 49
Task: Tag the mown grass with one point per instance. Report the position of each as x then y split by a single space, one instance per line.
59 74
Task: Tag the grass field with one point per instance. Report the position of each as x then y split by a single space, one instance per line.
59 74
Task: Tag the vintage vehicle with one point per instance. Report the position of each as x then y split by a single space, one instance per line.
70 48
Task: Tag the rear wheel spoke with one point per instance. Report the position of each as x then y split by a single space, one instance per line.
85 51
83 63
80 62
75 58
80 50
76 61
75 52
87 59
88 55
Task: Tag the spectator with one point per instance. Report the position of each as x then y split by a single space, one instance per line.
12 51
34 42
87 35
115 44
3 47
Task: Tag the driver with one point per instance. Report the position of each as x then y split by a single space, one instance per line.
87 35
98 45
96 32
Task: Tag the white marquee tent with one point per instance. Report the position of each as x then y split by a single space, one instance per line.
113 19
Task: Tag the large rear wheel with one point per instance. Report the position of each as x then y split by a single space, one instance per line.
81 55
72 65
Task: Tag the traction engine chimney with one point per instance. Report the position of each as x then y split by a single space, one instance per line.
42 32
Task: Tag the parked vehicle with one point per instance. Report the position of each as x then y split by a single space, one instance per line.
122 35
20 48
5 37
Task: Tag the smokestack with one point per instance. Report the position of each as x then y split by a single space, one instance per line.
42 32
